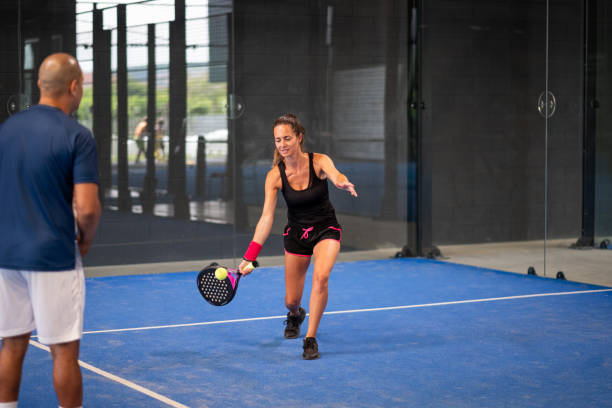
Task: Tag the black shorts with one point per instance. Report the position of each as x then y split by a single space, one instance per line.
301 239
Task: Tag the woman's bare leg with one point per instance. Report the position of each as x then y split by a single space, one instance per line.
295 276
325 254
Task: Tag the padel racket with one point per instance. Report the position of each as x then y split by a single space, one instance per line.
219 292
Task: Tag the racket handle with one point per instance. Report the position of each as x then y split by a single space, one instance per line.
251 265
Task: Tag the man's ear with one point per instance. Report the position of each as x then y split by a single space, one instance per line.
73 86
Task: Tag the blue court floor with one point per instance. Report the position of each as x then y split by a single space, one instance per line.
397 333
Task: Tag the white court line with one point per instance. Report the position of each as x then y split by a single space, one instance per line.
169 326
458 302
377 309
120 380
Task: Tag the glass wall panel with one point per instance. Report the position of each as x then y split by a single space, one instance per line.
470 128
603 123
565 135
579 173
343 69
181 97
175 198
483 139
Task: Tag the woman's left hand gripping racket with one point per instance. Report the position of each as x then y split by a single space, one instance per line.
219 292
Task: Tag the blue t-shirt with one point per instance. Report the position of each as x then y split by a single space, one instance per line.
43 153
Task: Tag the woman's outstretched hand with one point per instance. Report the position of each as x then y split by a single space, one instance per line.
348 186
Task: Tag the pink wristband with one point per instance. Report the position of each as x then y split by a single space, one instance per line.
252 252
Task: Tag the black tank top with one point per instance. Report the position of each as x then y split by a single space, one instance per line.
309 206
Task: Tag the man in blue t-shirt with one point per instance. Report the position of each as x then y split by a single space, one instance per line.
49 213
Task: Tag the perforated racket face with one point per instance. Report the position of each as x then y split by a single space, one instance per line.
216 292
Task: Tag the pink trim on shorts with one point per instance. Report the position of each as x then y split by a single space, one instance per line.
339 230
325 239
291 253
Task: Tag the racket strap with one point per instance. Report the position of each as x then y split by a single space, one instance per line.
232 279
252 251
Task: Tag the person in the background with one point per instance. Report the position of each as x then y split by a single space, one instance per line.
312 228
50 212
139 137
159 139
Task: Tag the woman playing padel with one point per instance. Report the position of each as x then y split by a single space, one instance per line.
312 228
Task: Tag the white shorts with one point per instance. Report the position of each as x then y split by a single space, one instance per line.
50 302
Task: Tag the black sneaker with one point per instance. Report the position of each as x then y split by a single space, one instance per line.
293 323
311 349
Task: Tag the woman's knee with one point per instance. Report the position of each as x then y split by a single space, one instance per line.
320 282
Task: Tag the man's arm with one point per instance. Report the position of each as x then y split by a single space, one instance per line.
88 211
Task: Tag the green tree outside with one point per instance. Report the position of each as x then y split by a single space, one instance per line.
203 98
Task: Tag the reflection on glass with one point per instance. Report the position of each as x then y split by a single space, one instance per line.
603 131
351 87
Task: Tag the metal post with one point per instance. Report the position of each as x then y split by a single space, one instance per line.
102 101
150 181
125 202
590 105
200 179
178 112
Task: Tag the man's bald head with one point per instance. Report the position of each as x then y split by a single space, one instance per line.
56 73
60 80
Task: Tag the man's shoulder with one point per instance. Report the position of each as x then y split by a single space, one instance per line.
25 116
40 115
30 121
83 130
77 130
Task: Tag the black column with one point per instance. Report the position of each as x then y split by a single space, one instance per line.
413 123
177 185
424 147
122 112
102 101
590 105
236 131
413 115
150 181
200 178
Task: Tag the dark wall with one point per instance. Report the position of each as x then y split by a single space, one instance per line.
342 67
483 68
280 60
287 59
603 142
52 24
9 67
565 132
484 141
